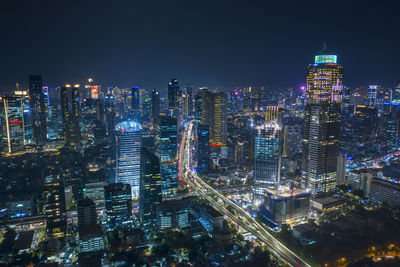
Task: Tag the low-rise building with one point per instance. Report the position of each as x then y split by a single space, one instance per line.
173 214
382 191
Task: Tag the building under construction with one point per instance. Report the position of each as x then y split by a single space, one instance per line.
285 205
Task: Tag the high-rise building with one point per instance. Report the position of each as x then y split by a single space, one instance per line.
128 143
90 235
150 187
38 109
322 123
118 206
166 144
291 139
188 101
341 169
155 103
203 147
174 96
86 212
372 95
70 114
396 94
214 108
267 157
12 124
55 206
391 126
365 125
135 99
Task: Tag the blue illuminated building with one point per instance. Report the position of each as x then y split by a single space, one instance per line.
203 148
129 139
166 144
118 206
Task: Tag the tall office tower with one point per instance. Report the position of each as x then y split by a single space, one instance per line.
185 105
173 96
26 113
322 123
188 101
391 126
203 147
70 114
86 212
341 169
12 124
135 99
38 109
274 113
155 103
55 206
396 94
166 144
365 125
372 95
291 139
198 103
150 188
267 157
128 143
118 206
109 115
54 119
214 113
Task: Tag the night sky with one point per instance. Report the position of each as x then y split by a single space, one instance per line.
215 43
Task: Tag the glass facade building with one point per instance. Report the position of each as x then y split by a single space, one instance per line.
128 144
267 157
166 144
322 124
38 109
150 187
12 125
118 206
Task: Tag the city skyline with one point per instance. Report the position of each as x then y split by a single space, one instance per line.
225 133
237 45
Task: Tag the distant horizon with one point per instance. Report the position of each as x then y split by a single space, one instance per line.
221 44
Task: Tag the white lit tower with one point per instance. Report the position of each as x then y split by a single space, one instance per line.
128 144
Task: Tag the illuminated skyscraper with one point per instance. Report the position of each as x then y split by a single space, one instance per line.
322 123
70 114
55 206
203 147
150 187
214 108
38 109
372 95
166 144
365 125
267 157
12 124
188 101
396 94
173 96
135 99
118 206
129 139
155 103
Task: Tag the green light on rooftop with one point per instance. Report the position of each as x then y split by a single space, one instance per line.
325 59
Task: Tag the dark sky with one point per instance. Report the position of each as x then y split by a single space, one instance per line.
216 43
